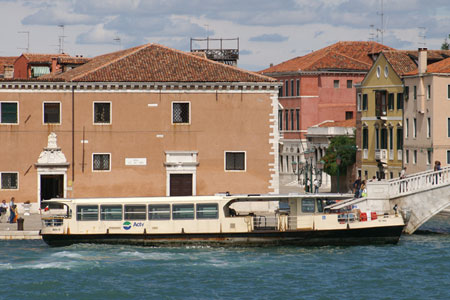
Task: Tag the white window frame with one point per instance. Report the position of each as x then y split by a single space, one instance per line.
18 109
9 172
358 102
93 113
110 162
171 113
378 71
338 83
245 161
43 112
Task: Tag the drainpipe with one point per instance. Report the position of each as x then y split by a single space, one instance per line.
73 133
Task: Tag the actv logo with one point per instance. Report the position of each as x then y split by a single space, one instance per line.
126 225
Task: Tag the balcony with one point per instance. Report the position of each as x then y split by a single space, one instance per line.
381 154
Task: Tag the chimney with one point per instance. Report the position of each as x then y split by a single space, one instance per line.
271 65
422 61
8 71
54 64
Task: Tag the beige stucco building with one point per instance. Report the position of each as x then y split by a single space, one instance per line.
427 115
145 121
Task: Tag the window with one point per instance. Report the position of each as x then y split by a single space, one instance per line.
101 162
102 112
9 113
407 156
87 212
407 128
448 127
297 115
428 127
377 138
365 138
414 128
386 71
348 115
280 92
391 101
292 119
349 84
111 212
159 212
280 119
235 161
286 88
292 87
9 181
448 92
428 157
180 112
365 102
428 92
298 87
135 212
207 211
399 138
415 157
380 103
391 174
182 211
52 113
406 93
448 157
415 92
378 71
286 119
358 102
308 205
399 101
384 138
391 138
336 84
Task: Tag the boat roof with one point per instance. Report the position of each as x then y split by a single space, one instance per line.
184 199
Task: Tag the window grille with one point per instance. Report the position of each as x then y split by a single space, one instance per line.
180 113
101 162
51 113
102 113
235 161
9 181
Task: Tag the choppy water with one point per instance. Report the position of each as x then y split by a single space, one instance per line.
417 268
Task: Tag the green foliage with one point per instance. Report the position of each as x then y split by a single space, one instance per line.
445 45
343 146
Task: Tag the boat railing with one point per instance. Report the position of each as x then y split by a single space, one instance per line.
53 221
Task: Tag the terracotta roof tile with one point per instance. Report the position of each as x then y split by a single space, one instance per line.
156 63
42 58
400 61
442 66
339 56
6 60
73 60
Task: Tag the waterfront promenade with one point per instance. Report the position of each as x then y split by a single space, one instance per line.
31 227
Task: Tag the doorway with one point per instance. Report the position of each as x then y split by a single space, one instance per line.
180 184
52 186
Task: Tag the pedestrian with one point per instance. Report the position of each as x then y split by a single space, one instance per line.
403 173
12 213
16 214
363 189
3 211
316 186
357 187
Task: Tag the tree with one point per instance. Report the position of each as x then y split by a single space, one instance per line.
445 45
343 146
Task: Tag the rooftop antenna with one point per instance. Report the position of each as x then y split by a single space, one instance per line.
118 41
381 30
27 49
61 39
422 35
372 33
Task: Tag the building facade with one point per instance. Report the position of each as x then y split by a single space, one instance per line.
146 121
427 114
317 87
379 117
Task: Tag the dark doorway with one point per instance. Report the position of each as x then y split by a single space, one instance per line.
180 184
52 186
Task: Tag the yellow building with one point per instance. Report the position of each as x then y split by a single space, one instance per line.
379 116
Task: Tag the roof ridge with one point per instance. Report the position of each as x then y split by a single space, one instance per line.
352 58
215 62
138 48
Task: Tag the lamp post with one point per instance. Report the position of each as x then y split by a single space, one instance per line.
338 163
308 169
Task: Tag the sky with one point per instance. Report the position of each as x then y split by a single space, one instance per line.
269 31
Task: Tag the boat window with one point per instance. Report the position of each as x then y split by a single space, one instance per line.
159 212
111 212
135 212
207 211
87 212
308 205
182 211
319 205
